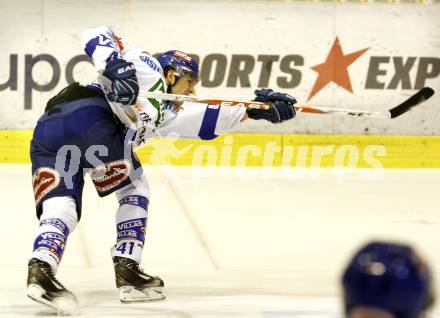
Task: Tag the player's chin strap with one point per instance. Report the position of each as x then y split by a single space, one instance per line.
170 86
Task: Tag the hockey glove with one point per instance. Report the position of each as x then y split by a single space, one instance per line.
282 106
124 87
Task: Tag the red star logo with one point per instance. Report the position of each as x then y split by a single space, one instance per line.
335 69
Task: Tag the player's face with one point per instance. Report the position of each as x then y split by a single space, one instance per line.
184 86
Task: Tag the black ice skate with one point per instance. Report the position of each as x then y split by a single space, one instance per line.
44 288
134 285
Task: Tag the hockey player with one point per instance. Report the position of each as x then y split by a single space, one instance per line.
385 280
92 129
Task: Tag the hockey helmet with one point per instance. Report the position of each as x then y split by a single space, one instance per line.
181 63
391 277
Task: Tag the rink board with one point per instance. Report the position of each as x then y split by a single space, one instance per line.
270 150
394 59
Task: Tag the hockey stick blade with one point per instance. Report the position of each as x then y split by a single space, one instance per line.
418 98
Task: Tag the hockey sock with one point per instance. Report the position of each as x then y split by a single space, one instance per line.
58 220
131 221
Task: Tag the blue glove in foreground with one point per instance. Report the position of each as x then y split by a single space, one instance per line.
282 106
124 88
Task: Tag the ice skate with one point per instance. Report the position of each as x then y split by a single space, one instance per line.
44 288
134 285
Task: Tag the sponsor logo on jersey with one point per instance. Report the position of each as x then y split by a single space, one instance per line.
133 199
110 175
137 200
126 234
59 224
142 114
53 236
151 63
144 117
44 180
140 136
132 229
47 243
56 247
53 242
130 224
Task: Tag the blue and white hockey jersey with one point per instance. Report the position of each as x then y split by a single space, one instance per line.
151 117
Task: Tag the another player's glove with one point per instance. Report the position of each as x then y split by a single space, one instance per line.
124 88
282 106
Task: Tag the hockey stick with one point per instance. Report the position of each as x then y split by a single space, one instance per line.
416 99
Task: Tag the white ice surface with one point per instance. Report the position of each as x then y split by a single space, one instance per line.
228 242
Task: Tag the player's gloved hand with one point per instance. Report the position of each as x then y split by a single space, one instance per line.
124 88
282 106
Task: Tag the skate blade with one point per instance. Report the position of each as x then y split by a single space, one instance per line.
129 294
63 306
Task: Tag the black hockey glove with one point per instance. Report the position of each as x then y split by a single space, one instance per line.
124 88
282 106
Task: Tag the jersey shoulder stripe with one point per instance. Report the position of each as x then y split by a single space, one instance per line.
100 40
209 123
